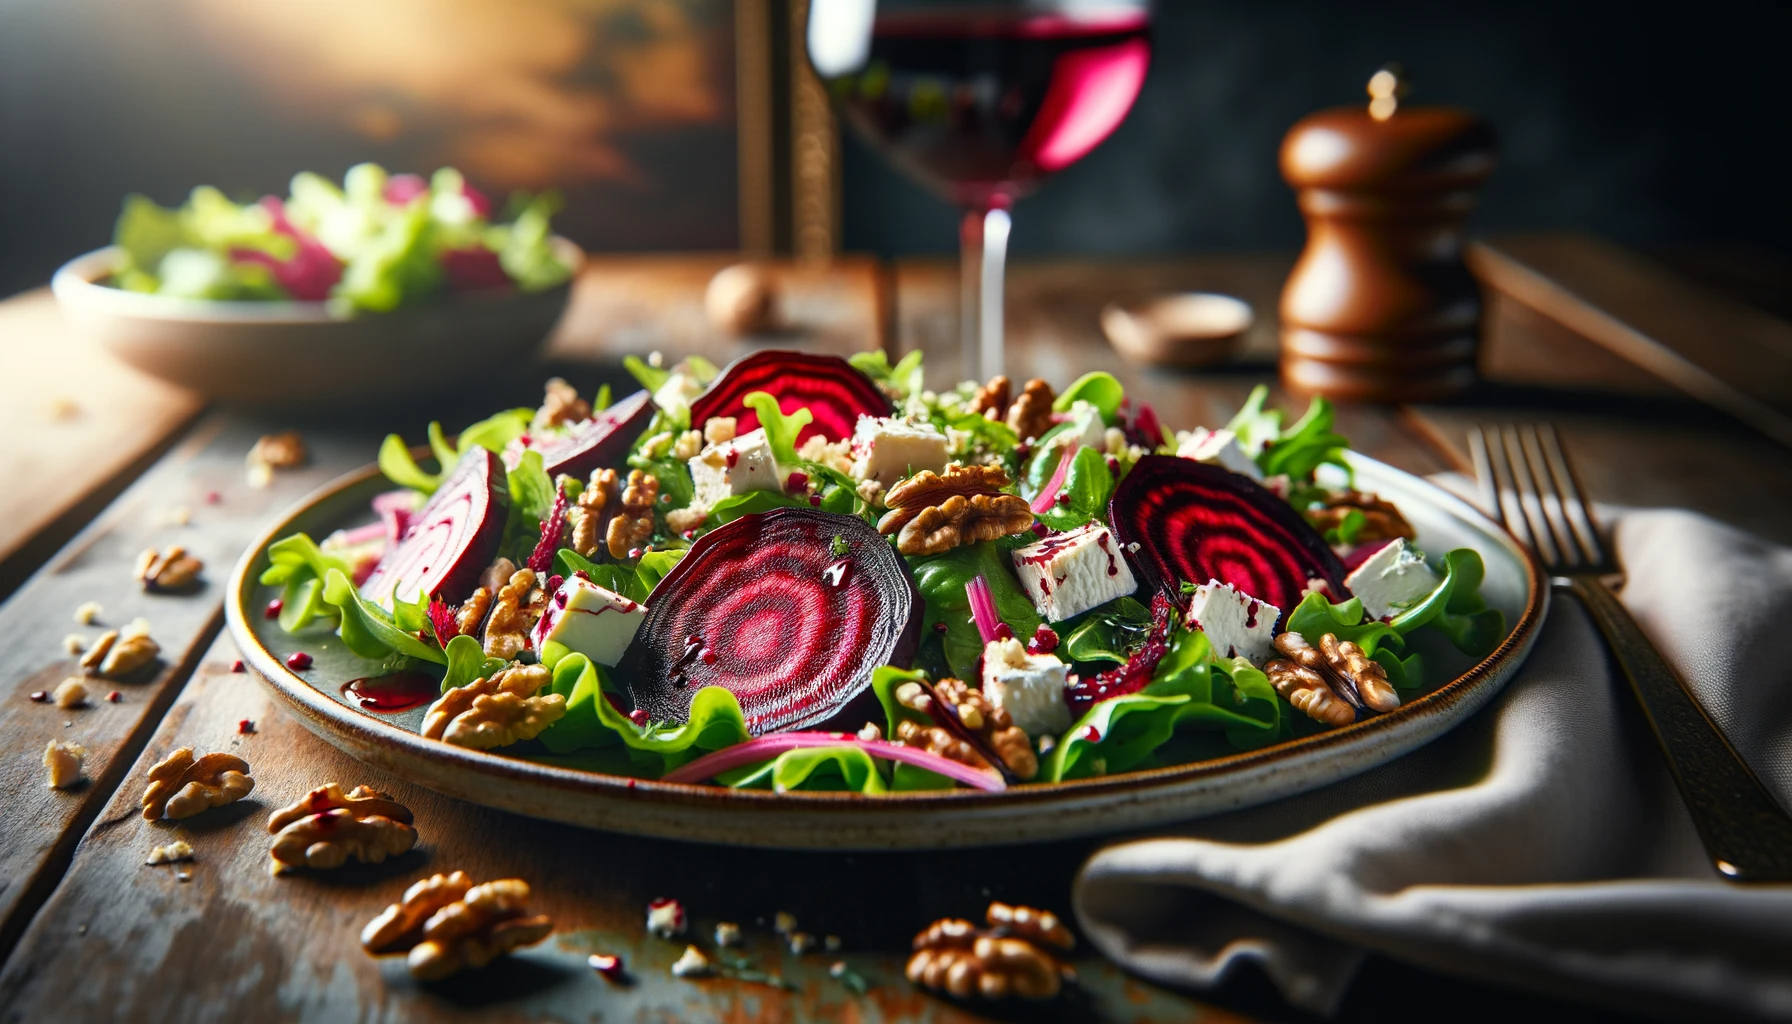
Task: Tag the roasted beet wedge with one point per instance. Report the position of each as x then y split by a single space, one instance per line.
765 607
828 386
450 540
600 441
1193 522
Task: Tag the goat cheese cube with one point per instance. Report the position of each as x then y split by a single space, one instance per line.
1236 624
1217 448
589 620
1086 429
1392 579
678 392
887 448
1073 572
734 467
1029 686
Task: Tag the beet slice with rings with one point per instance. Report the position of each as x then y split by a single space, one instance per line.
1194 522
450 540
603 440
833 391
790 610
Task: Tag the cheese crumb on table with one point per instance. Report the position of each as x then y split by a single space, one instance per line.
70 693
63 761
87 612
176 851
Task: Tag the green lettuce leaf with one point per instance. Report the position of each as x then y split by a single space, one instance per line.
729 509
591 722
653 566
781 430
618 579
366 628
651 377
1088 482
467 662
1112 632
904 377
1315 616
1190 688
1099 389
835 769
1456 608
525 247
299 565
941 580
401 468
495 432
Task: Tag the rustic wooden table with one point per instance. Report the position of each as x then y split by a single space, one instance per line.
103 463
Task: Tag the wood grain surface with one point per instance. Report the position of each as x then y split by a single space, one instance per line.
102 937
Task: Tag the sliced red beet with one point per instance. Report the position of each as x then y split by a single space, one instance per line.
600 441
833 391
764 607
450 540
1193 522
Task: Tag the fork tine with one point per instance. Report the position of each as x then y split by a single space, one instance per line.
1483 464
1578 513
1549 497
1530 509
1504 490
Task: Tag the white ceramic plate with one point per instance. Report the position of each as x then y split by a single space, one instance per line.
1114 803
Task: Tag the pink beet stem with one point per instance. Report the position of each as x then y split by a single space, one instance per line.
364 534
1043 503
983 609
764 748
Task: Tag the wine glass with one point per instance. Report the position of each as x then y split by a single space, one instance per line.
980 100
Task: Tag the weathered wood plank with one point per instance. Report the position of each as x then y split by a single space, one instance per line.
122 941
42 825
77 426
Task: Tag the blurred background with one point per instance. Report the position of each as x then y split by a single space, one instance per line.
681 124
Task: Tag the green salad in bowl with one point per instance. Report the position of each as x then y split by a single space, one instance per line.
384 285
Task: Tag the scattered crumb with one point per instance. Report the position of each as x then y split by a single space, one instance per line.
64 760
40 696
784 922
665 918
238 666
138 626
655 359
260 475
63 408
213 498
800 942
88 612
70 693
727 934
831 943
185 876
693 964
275 451
74 643
607 965
179 515
246 726
837 969
175 851
114 697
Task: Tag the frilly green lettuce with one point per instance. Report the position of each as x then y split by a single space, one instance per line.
1112 632
1296 451
1099 389
941 579
1315 616
904 378
494 434
367 630
591 722
836 769
467 662
1456 608
1191 688
298 565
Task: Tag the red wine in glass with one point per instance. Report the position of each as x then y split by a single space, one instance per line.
979 102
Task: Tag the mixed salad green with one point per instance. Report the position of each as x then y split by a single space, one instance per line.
376 242
1143 597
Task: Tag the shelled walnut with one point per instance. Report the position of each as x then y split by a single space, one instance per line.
991 401
162 572
1031 414
1010 958
597 502
181 785
327 826
633 525
932 512
1381 520
275 451
519 603
445 924
1308 692
1331 680
117 653
496 711
471 613
561 405
991 724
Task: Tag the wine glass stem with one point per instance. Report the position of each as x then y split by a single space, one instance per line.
982 263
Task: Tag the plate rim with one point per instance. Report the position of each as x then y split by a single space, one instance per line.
314 705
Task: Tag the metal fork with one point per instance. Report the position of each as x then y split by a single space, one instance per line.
1526 480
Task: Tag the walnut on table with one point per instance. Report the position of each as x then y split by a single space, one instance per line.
561 405
633 525
519 603
1010 958
117 653
496 711
70 693
63 762
932 512
445 924
1031 414
181 785
285 450
163 572
327 826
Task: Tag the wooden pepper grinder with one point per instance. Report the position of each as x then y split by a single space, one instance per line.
1380 306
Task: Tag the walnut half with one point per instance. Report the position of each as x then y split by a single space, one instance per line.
1011 958
327 826
932 512
445 924
181 785
496 711
163 572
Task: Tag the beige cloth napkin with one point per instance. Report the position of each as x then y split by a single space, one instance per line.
1541 844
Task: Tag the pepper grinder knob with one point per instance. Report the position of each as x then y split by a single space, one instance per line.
1380 306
